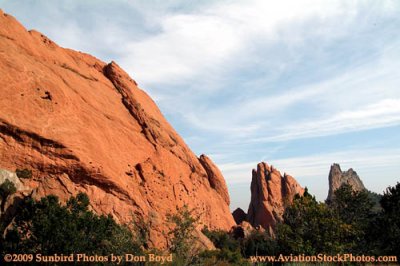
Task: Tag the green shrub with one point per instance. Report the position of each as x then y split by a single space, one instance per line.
183 240
48 227
23 173
7 188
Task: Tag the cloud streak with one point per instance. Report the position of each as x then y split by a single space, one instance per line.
384 113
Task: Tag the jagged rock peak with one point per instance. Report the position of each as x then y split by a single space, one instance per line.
337 177
270 194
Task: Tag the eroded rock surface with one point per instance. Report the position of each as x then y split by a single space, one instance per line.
82 125
337 178
270 194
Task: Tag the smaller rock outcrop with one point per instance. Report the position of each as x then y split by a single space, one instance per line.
337 178
239 215
215 177
270 194
242 230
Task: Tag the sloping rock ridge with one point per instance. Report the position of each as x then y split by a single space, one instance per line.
337 178
270 194
82 125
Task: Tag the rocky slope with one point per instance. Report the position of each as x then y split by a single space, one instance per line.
84 125
270 193
337 177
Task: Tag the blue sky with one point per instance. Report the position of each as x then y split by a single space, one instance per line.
298 84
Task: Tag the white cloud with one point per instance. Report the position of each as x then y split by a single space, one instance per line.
384 113
364 97
199 44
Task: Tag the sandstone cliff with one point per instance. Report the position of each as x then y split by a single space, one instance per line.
84 125
270 194
337 177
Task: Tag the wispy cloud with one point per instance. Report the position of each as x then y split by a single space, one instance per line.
201 43
384 113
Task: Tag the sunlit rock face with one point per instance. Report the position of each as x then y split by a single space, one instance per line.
270 194
82 125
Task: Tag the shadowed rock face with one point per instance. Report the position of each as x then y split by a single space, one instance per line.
337 177
82 125
270 194
239 215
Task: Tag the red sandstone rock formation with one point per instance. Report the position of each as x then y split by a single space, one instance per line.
270 194
83 125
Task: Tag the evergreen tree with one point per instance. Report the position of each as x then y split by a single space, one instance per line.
355 210
389 222
309 227
48 227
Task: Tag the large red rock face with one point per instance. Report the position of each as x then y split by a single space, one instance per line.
270 194
83 125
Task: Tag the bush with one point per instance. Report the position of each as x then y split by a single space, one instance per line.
23 173
228 250
182 235
222 239
388 232
48 227
7 188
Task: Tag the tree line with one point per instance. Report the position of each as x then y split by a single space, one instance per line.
356 222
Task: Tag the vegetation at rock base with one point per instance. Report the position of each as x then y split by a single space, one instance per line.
228 250
182 238
389 222
140 229
350 223
313 227
23 173
7 188
48 227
